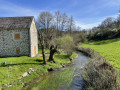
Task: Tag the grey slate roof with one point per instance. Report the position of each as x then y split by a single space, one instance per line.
15 22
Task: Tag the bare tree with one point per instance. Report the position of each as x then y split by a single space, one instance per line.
45 21
118 21
58 20
107 23
51 36
63 21
71 24
41 41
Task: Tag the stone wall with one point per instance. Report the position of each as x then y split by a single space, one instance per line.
8 45
33 39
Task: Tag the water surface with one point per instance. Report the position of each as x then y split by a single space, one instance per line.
68 78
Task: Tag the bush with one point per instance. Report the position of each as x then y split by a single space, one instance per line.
66 43
99 74
96 76
79 37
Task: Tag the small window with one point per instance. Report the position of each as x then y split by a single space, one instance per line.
17 51
17 36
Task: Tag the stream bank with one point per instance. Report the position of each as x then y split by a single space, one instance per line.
98 74
67 78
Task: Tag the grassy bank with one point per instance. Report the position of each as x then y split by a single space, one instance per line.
11 74
98 73
110 49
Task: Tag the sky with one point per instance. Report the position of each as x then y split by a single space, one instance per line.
86 13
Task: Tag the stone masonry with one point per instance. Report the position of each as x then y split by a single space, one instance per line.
25 30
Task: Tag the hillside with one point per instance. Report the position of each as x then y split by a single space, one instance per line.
110 49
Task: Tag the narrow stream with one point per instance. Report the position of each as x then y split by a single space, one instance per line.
68 78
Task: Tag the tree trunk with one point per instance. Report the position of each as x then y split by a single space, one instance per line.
51 57
43 54
53 50
41 40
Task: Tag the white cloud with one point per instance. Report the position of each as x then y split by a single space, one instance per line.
89 23
87 26
10 9
15 10
112 2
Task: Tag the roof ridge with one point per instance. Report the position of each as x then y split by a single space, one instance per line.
15 22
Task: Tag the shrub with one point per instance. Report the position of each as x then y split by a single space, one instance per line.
98 77
66 43
99 74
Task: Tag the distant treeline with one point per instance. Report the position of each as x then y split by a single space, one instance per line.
109 28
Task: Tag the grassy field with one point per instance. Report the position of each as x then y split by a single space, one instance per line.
110 49
11 74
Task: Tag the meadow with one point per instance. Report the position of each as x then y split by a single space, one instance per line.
11 73
109 49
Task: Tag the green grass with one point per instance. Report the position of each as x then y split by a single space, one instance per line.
110 49
47 51
73 55
53 82
16 66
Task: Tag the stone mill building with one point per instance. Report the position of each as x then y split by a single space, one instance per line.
18 36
